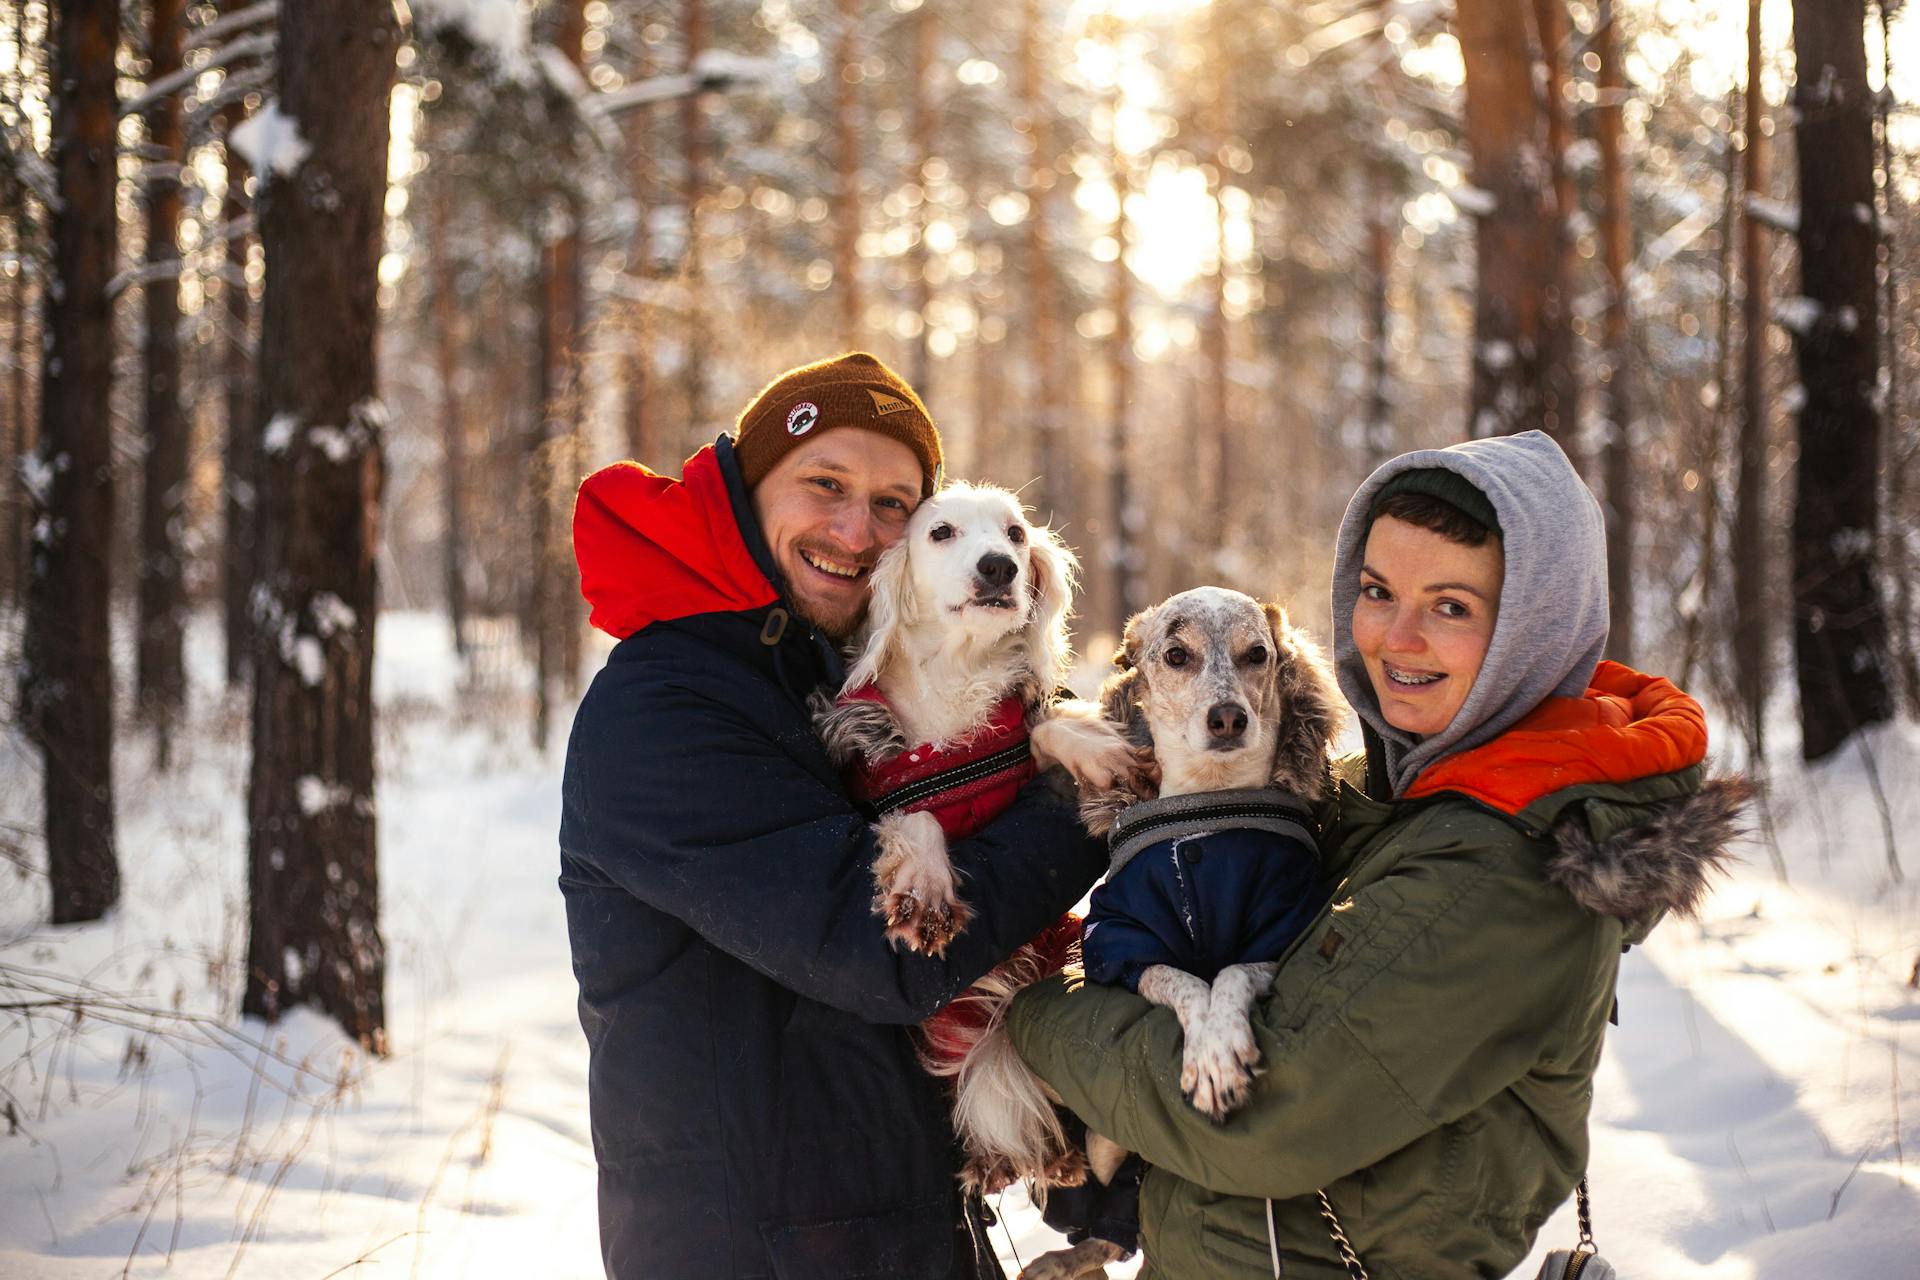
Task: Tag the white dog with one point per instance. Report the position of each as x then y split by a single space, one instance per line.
951 688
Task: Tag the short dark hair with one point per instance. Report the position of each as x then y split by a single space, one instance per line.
1437 516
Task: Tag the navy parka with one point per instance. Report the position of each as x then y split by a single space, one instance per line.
757 1110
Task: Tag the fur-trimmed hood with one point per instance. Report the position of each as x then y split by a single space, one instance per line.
1664 860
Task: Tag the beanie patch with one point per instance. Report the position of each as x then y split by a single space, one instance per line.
802 417
884 404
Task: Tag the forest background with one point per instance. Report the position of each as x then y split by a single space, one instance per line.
314 311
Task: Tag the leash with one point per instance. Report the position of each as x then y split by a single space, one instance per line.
1000 1216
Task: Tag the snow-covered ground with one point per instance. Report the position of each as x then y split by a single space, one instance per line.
1754 1115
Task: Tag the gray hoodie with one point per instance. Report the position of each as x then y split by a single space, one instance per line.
1552 624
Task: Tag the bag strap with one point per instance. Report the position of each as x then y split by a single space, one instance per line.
1348 1258
1356 1270
1584 1207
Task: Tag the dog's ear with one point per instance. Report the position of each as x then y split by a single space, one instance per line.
890 608
1309 709
1120 696
1049 642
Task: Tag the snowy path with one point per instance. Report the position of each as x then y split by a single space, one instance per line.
1745 1120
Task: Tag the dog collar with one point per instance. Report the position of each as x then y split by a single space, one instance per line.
1149 822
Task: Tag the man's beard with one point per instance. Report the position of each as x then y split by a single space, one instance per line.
837 625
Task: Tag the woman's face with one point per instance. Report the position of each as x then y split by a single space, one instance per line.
1423 620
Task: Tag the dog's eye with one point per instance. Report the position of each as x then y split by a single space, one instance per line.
940 532
1176 656
1016 535
1256 656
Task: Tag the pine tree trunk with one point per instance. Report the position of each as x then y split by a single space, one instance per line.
448 332
1516 246
1841 654
693 138
1559 375
637 366
240 480
13 547
1752 600
1381 227
67 682
314 920
1129 596
553 605
846 184
924 128
1617 240
1042 323
161 677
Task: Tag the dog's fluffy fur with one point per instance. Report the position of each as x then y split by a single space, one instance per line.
1189 668
1292 697
1290 707
969 606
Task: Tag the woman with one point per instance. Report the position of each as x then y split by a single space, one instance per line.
1522 812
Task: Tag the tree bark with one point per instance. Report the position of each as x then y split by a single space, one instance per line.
1559 375
555 621
1042 322
1381 228
160 672
1214 336
448 335
1516 246
1617 241
1751 598
1128 594
924 126
314 921
1841 654
240 478
846 184
638 369
693 136
67 680
18 425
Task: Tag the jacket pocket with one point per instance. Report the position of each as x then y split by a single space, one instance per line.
912 1243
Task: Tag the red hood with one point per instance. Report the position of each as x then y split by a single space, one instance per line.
1627 726
651 548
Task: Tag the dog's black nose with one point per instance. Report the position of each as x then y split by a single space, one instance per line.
997 569
1226 720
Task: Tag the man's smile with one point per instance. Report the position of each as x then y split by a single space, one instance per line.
834 568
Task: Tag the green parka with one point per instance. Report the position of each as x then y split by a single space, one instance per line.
1429 1044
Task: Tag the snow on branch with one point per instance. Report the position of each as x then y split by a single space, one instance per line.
270 142
234 86
1476 202
144 274
32 168
714 71
496 26
259 45
239 20
1777 214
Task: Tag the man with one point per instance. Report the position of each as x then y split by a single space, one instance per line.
757 1108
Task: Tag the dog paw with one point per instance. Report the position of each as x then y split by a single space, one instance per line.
1067 1169
987 1174
1087 1259
1218 1066
914 891
920 925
